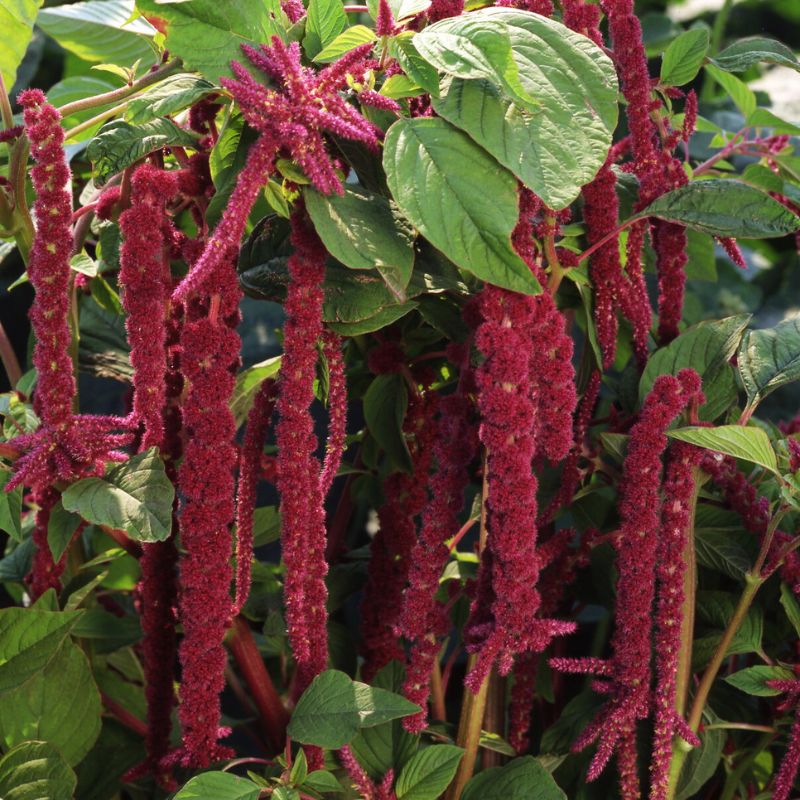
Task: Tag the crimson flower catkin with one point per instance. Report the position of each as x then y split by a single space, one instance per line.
298 469
146 282
405 497
676 527
629 671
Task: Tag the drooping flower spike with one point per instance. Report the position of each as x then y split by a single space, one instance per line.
628 672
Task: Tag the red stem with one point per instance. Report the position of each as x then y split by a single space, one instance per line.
274 717
9 358
124 716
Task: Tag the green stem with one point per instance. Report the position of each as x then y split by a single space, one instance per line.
17 173
126 91
90 123
6 114
684 676
735 776
474 705
752 585
717 32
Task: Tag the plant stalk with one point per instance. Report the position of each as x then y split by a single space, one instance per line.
473 708
126 91
272 712
9 358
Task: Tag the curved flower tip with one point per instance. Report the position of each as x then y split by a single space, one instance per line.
304 106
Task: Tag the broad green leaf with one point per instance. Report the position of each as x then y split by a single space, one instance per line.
386 746
219 786
345 42
769 358
59 704
363 230
119 144
702 762
29 639
83 264
724 208
440 179
741 94
730 552
413 64
60 529
764 118
473 46
135 497
399 86
380 320
790 606
16 565
171 95
521 779
385 404
748 443
715 609
35 771
706 347
702 263
741 55
325 20
428 773
248 382
333 709
16 22
208 35
323 782
684 57
10 509
107 631
753 680
100 31
562 146
266 525
401 9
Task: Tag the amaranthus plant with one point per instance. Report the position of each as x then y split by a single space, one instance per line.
407 405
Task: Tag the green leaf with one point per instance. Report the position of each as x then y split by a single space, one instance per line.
399 86
345 42
561 147
10 509
83 264
60 529
135 497
475 45
333 709
684 57
100 31
747 443
207 35
401 9
171 95
741 55
521 779
764 118
29 639
385 404
702 762
753 680
724 208
440 179
322 781
248 382
716 608
119 144
428 773
59 704
414 65
702 263
790 606
108 631
741 94
380 320
325 20
363 230
16 22
769 358
729 552
219 786
34 771
706 347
